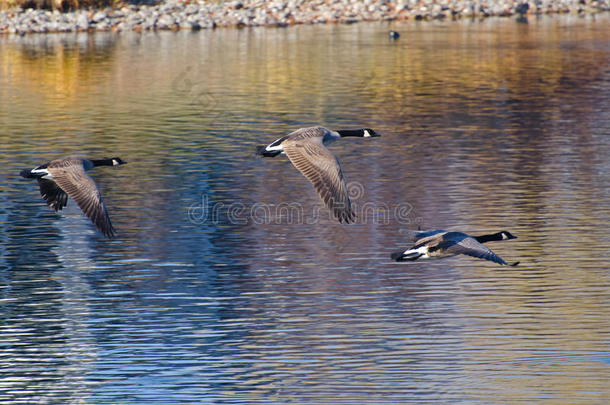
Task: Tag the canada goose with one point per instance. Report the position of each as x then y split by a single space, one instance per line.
393 35
61 178
439 243
306 150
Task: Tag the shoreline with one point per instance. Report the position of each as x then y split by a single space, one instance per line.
196 15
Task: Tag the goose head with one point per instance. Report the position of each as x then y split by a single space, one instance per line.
507 235
368 133
363 132
117 161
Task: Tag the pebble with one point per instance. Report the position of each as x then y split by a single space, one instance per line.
208 14
99 16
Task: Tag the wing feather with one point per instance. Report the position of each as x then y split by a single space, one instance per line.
55 197
427 237
81 188
469 246
322 169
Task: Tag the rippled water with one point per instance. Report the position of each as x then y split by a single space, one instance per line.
229 283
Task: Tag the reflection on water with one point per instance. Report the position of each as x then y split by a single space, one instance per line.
212 292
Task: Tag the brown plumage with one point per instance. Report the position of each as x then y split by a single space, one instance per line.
306 150
322 169
61 178
437 244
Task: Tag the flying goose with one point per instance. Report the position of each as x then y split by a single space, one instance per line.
306 149
437 244
61 178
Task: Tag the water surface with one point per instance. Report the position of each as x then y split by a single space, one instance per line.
229 283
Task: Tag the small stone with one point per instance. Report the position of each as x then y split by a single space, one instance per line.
206 23
165 21
82 22
99 16
191 9
149 23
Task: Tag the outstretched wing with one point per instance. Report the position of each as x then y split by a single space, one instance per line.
55 197
468 246
81 188
424 237
322 169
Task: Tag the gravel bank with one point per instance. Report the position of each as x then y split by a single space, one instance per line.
195 15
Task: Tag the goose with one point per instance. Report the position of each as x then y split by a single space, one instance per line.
393 35
438 244
306 149
61 178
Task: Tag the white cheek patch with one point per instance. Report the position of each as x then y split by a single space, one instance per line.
115 162
367 134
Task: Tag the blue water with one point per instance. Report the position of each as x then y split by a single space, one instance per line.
230 283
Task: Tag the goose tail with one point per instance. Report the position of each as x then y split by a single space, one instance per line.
262 150
27 173
406 255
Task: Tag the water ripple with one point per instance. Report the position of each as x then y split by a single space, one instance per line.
199 299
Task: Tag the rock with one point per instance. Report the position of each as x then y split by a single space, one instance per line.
166 21
99 16
206 23
149 23
191 9
82 22
198 14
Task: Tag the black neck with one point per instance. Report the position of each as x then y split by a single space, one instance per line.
351 132
488 238
102 162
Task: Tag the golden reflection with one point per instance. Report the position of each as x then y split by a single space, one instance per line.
486 126
55 70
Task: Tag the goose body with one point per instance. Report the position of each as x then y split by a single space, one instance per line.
438 244
61 178
306 149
